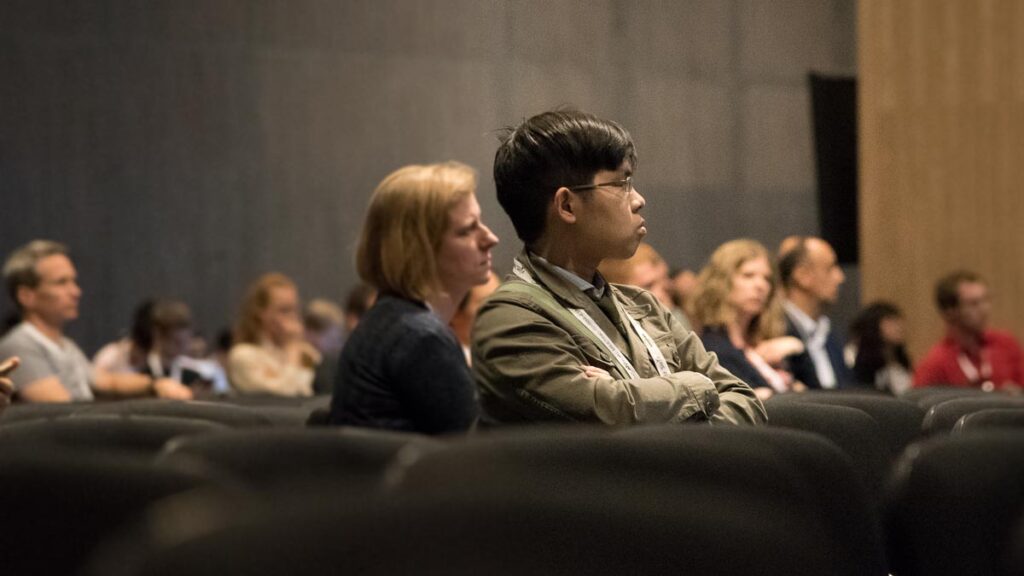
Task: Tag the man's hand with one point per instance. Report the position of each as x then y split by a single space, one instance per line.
776 349
171 389
6 386
595 372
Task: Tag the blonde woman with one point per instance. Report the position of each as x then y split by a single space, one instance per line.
270 354
738 310
423 247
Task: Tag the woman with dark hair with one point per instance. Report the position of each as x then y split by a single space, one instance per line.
423 246
877 348
159 337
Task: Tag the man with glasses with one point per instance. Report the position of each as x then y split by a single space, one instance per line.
558 343
971 354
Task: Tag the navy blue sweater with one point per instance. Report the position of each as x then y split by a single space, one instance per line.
403 369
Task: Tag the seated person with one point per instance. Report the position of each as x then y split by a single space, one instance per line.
465 315
42 281
810 276
646 270
324 323
6 386
269 354
556 342
158 345
402 368
739 311
877 350
359 300
971 354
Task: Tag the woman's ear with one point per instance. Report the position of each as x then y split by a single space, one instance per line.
565 205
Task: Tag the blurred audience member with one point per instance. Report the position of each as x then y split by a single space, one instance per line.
360 299
6 386
737 306
970 354
462 321
42 281
325 330
811 277
877 350
645 269
403 368
270 354
682 284
159 346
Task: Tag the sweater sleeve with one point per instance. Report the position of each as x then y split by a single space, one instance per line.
433 382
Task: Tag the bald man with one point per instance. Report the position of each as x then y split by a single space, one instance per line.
811 276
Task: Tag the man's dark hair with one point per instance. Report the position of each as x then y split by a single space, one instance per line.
947 289
790 259
549 150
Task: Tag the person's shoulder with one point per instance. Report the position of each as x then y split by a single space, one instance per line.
17 341
636 297
1002 337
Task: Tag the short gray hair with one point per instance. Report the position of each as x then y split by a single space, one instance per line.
20 267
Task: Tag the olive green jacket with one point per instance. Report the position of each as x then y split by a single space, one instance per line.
529 352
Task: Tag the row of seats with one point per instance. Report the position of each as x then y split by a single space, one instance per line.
221 493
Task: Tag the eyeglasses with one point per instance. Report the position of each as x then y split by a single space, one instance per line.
626 185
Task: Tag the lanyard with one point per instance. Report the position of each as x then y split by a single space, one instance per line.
588 321
973 375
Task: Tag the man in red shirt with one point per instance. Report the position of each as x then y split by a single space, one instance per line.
970 354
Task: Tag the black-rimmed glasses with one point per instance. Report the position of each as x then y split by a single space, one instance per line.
626 185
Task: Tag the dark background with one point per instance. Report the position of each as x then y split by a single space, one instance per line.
182 148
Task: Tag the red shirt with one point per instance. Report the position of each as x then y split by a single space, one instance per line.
1001 362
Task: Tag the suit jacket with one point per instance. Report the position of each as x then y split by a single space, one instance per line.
802 366
732 358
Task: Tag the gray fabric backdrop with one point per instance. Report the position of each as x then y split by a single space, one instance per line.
184 147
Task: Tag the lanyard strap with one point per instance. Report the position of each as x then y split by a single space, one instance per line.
602 338
971 372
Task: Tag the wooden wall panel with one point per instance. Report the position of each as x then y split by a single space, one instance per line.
942 153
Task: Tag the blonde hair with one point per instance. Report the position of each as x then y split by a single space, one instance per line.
710 306
256 300
405 224
621 271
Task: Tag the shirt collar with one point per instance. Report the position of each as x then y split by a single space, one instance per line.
804 323
595 290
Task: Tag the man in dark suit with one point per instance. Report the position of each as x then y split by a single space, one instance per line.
811 277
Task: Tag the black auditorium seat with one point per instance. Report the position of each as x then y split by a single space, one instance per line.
954 503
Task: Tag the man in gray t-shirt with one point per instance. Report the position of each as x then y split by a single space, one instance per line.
42 281
42 358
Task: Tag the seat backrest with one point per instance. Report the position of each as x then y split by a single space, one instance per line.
852 430
941 417
219 412
929 396
20 412
696 500
900 421
954 503
90 433
58 505
269 457
660 466
989 419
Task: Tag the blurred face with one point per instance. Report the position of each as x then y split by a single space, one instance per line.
609 220
821 275
175 343
55 299
750 287
464 258
891 328
653 278
684 284
280 319
974 307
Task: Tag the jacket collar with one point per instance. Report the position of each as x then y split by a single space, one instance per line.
549 276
